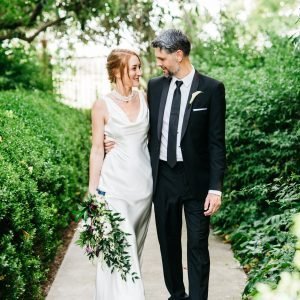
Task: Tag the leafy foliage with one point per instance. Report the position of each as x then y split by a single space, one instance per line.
102 236
260 234
262 190
44 149
262 184
20 67
289 284
90 18
104 22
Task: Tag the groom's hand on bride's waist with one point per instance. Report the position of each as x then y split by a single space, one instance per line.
109 143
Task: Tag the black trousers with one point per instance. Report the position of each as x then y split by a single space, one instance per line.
171 196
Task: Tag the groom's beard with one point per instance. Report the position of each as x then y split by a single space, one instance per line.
169 73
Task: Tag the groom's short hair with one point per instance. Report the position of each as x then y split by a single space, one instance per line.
172 40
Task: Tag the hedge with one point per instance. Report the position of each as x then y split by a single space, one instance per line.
22 66
44 147
262 190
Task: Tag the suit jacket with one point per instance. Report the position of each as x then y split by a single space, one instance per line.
203 132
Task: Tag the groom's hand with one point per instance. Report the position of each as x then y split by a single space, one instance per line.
109 144
212 204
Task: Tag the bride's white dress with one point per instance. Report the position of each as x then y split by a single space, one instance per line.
126 178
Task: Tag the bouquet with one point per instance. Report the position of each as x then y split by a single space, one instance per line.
101 235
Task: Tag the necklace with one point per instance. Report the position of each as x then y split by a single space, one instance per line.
120 97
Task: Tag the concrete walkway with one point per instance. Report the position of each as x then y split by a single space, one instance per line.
75 279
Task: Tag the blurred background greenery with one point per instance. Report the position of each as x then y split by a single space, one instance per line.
252 46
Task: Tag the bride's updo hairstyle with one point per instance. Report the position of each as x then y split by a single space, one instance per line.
118 60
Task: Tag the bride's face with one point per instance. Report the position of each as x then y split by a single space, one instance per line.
133 72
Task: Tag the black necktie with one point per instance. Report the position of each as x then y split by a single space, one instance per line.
173 126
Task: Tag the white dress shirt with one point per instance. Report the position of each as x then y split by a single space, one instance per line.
185 90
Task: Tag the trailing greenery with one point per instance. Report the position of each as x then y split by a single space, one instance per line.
44 149
262 190
102 237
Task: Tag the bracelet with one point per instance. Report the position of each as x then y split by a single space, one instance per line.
102 193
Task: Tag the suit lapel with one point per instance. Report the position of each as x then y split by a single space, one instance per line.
162 104
194 88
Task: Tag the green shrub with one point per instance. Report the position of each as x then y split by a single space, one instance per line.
21 67
44 149
258 220
289 284
262 190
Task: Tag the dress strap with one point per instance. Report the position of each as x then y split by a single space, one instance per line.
142 97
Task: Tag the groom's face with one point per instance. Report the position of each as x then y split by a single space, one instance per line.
167 61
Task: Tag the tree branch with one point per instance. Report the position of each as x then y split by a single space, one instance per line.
44 27
21 35
37 11
11 25
19 23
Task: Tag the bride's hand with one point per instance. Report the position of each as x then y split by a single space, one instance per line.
109 143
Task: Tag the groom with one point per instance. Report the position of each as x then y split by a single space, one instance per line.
187 149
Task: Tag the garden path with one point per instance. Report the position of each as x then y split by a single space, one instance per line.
76 276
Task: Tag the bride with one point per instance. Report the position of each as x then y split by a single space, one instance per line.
124 174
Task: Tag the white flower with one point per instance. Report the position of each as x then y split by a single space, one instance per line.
87 222
30 169
194 95
112 246
101 219
106 229
96 233
81 227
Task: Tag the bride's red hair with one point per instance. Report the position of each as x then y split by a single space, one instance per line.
117 60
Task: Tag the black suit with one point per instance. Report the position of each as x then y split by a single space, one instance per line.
187 184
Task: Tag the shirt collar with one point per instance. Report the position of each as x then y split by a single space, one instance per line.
187 80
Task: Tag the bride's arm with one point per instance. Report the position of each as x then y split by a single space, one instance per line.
97 151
